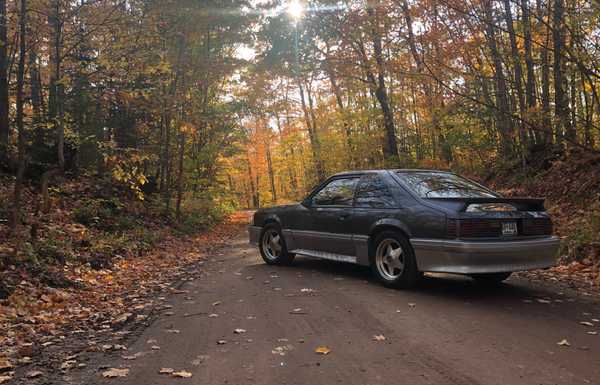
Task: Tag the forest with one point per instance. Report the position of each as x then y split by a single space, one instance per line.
128 124
197 108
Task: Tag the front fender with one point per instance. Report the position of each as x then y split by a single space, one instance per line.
261 218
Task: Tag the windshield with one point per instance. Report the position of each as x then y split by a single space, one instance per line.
429 184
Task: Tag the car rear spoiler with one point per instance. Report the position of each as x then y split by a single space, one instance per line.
522 204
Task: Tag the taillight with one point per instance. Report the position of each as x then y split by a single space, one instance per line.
451 228
537 226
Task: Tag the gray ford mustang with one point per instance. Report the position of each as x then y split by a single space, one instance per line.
403 223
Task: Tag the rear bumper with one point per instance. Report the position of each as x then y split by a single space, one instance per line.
254 234
477 257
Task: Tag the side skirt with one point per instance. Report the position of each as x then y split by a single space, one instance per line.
325 255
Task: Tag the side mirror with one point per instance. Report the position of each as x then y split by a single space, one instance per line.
306 202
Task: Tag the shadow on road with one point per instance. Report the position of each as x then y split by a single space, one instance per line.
440 286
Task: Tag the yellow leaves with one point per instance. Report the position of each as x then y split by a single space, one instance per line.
188 128
127 167
323 350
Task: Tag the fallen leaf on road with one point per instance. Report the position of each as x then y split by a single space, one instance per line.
221 342
324 350
182 374
239 331
563 343
540 300
281 350
33 374
151 341
217 303
155 347
68 364
307 290
379 337
213 315
113 372
585 323
411 304
298 311
5 365
174 331
166 371
595 320
593 333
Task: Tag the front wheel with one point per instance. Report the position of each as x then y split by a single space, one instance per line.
273 249
393 261
490 279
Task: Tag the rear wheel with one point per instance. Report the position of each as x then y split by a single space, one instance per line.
273 249
491 278
393 261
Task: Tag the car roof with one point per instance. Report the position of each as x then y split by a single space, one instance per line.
360 172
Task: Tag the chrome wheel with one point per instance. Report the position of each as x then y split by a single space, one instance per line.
271 244
389 259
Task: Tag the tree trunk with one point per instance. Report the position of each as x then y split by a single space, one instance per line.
56 109
4 127
561 104
390 147
20 126
312 135
518 76
530 82
502 107
180 175
271 172
547 136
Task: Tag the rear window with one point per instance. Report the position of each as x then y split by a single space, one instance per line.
444 185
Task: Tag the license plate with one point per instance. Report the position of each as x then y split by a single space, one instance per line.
509 228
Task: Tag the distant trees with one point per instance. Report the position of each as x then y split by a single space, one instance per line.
436 83
137 89
159 89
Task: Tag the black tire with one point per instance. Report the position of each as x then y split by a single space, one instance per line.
408 275
491 279
268 253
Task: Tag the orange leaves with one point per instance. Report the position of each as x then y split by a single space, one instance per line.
36 313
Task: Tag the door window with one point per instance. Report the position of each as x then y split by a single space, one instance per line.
338 192
373 192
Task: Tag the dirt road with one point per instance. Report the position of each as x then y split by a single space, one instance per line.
449 331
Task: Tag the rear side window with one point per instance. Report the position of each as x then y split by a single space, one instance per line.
373 192
444 185
338 192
